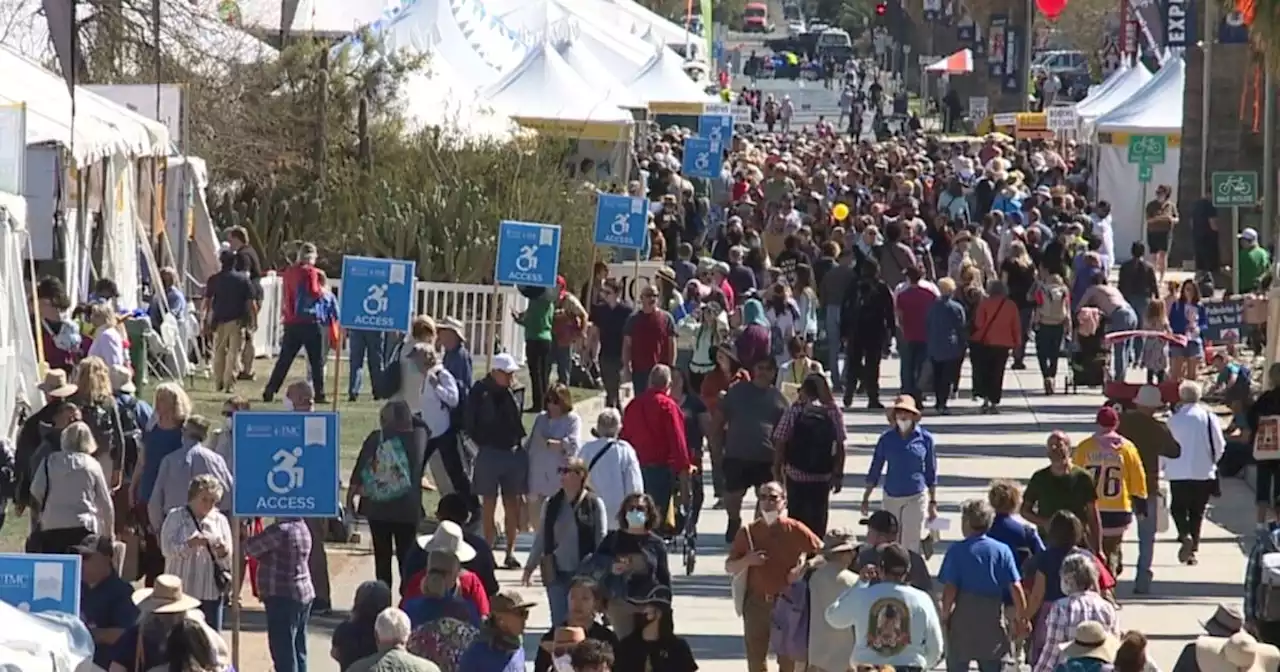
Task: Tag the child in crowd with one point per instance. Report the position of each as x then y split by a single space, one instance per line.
1155 351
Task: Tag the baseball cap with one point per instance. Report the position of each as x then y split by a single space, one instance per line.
1108 418
96 543
894 559
882 521
507 601
505 363
1250 234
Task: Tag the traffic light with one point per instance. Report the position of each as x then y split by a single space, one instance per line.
882 8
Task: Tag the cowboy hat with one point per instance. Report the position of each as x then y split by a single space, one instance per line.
55 385
453 324
1092 640
165 598
1226 621
1238 653
905 402
448 538
122 379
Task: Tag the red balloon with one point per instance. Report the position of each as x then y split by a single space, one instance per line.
1052 9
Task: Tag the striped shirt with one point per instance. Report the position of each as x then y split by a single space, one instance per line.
1060 624
193 564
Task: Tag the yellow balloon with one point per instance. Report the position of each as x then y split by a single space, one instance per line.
840 211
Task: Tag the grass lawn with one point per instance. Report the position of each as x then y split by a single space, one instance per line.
355 421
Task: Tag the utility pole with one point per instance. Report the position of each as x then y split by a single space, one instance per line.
1028 43
1268 148
1210 19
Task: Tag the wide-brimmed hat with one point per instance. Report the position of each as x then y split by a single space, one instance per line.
122 379
165 598
453 324
55 385
509 600
1149 397
1225 621
839 541
1092 640
905 402
1238 653
448 539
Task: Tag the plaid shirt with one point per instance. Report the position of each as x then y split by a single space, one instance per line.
782 434
1064 616
1264 543
283 551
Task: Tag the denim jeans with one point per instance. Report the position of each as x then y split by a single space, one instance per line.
287 633
212 610
1140 309
1024 317
562 356
1049 348
912 358
299 337
1146 542
831 320
1121 319
558 596
658 484
364 345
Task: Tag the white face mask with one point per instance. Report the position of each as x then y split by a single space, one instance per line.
563 664
904 425
769 517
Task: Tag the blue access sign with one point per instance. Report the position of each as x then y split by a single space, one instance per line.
717 128
285 464
35 583
376 294
621 221
701 158
528 254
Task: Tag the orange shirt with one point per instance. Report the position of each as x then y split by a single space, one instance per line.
786 543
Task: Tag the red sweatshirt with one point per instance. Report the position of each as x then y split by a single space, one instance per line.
470 588
295 277
654 425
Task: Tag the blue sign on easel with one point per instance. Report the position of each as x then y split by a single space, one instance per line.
701 158
376 294
717 128
621 221
285 464
35 582
528 254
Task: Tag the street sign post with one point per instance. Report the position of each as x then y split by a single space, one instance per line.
1235 189
37 583
528 254
1149 149
701 158
718 128
285 464
376 294
1145 172
621 221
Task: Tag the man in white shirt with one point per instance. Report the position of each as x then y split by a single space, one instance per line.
1193 474
613 470
1103 231
439 398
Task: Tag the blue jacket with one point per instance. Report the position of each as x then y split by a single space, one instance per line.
945 330
1178 317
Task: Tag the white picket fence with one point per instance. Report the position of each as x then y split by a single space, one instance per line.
486 314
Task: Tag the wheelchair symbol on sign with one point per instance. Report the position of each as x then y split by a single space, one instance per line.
703 161
376 302
620 224
528 258
716 133
286 465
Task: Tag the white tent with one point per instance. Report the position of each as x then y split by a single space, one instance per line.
440 99
102 128
1098 89
583 60
534 20
544 86
660 27
18 357
663 80
1119 88
1155 109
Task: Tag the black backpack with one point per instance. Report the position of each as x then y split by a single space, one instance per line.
392 372
813 436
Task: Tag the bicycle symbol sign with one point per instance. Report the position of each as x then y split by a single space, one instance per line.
1235 189
1149 149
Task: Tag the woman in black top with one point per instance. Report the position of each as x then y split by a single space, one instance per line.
653 645
584 607
1019 275
630 560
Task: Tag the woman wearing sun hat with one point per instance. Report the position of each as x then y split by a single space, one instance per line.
1091 650
906 458
164 607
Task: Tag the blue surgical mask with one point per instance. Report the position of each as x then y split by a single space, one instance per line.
636 518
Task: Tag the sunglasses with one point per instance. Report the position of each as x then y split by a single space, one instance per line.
769 498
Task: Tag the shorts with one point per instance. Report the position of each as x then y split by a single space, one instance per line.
1192 350
744 475
1268 484
1157 241
504 472
1114 523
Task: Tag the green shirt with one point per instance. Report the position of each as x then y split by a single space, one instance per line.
1254 262
1072 491
537 319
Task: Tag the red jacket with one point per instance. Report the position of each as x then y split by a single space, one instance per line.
295 277
470 588
654 425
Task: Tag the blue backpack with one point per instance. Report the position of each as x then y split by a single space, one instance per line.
789 632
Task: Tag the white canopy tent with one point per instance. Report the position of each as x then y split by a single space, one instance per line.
1118 89
440 99
1097 89
663 80
580 57
1155 109
538 19
18 356
544 86
659 27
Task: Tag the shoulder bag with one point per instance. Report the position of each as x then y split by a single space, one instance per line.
34 542
738 586
221 575
1216 489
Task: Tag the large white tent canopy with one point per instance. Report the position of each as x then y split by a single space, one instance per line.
544 86
1119 89
663 79
1155 107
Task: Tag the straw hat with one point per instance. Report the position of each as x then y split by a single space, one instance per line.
1226 621
905 402
55 385
453 324
165 598
448 538
839 541
122 379
1092 640
1238 653
1148 397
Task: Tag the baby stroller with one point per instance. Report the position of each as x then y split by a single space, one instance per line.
1089 361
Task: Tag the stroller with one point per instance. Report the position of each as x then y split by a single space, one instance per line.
1090 361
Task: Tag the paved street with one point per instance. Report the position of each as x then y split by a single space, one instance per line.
974 449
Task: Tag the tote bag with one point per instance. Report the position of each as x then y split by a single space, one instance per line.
738 587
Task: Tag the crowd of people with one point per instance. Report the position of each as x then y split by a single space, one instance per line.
789 281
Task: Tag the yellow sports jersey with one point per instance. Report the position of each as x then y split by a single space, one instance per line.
1118 476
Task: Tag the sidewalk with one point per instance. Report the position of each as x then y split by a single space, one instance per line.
973 450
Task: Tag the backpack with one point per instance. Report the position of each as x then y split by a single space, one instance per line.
812 437
306 304
104 424
393 372
131 430
789 629
1053 304
1269 586
444 640
386 476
